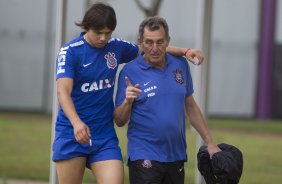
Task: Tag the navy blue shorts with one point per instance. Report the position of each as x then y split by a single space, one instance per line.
101 149
148 172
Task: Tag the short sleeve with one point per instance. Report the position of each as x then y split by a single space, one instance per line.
189 81
65 63
129 52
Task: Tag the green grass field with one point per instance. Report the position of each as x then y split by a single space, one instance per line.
25 142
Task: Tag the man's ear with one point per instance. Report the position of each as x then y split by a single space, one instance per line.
139 41
168 40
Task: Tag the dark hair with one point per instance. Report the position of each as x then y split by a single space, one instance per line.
153 23
99 16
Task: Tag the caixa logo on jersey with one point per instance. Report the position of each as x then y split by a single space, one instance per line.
97 85
111 60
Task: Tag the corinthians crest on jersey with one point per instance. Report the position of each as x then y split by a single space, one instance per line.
111 60
178 76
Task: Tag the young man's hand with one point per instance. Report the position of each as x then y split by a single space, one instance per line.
195 56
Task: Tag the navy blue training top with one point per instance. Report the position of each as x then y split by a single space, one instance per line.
93 71
156 130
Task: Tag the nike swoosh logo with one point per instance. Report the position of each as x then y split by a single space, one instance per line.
179 170
85 65
145 84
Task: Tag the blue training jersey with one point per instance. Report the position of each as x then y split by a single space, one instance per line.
93 71
156 130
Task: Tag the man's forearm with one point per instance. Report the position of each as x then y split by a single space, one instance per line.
197 120
68 107
122 113
177 51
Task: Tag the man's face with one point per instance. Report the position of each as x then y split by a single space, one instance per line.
154 45
98 38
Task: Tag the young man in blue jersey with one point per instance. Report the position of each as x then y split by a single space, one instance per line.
86 69
155 94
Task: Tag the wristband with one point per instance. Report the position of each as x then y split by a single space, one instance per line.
185 52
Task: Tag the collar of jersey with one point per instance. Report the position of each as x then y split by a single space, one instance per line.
145 66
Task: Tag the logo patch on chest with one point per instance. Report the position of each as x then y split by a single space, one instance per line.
178 76
111 60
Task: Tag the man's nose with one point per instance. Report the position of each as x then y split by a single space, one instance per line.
103 37
155 47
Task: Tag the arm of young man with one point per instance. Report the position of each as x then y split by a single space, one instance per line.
123 111
188 53
81 130
198 122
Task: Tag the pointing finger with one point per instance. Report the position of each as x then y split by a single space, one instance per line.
127 81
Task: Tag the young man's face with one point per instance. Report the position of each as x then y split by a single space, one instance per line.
98 38
154 45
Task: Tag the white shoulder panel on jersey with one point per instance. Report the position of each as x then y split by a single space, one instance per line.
121 40
75 44
111 39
